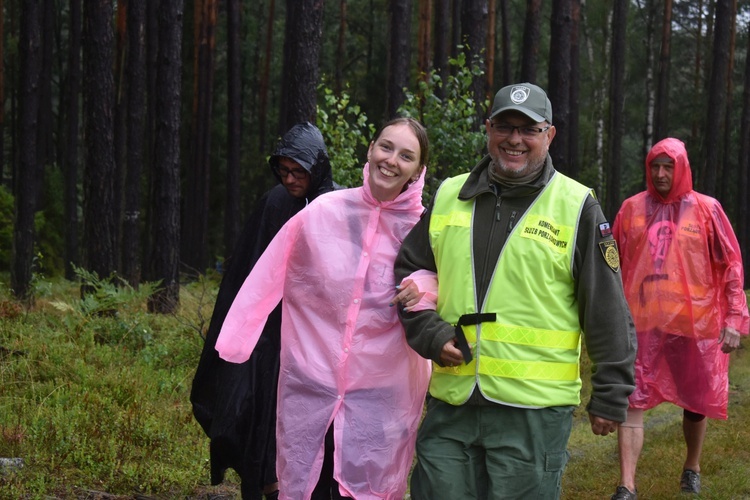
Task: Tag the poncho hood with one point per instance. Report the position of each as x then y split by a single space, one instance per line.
304 144
682 181
408 199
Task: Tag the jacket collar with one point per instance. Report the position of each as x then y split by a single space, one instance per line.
479 182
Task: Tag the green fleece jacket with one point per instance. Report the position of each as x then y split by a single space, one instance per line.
605 319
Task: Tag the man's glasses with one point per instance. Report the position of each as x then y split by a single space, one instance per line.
297 173
527 132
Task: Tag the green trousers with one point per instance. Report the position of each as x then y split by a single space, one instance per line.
490 452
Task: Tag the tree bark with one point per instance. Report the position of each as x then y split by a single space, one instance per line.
265 82
120 120
506 74
341 48
27 188
661 115
474 28
442 32
165 256
72 256
490 45
98 185
744 170
616 104
717 97
234 124
136 120
304 32
530 50
2 92
559 81
424 38
399 55
575 88
196 207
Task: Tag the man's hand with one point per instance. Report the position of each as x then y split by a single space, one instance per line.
601 426
451 355
730 339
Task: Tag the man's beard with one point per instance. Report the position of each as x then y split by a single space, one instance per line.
532 167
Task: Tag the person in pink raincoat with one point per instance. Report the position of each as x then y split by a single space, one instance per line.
682 273
351 391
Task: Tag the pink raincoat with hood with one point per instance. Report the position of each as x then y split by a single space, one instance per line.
344 357
682 274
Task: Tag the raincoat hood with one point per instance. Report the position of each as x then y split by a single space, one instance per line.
682 181
409 199
304 144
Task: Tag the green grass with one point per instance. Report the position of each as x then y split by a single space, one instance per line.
100 403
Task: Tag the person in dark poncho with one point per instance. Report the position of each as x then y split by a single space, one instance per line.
236 403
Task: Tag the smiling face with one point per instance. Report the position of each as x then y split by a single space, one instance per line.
515 156
394 161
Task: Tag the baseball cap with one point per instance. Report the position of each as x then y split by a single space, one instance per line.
526 98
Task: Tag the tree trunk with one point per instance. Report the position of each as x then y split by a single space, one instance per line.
71 103
575 87
424 36
717 97
99 101
399 55
120 119
474 28
616 104
724 169
264 83
559 81
196 208
152 70
27 188
46 154
649 90
530 56
506 75
166 250
304 32
234 124
136 77
490 45
661 118
341 48
698 76
743 212
457 31
442 30
2 92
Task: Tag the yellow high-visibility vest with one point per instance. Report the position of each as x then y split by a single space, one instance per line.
528 354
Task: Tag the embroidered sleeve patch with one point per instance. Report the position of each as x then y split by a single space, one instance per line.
610 254
605 229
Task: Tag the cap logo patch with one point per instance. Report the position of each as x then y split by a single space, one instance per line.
519 94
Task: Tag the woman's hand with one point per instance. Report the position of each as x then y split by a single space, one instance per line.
407 294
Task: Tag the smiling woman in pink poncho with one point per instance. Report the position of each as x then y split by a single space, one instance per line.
346 369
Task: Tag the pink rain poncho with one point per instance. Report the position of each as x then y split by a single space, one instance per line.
344 357
682 274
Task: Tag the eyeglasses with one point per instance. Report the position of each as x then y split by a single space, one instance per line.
527 132
297 173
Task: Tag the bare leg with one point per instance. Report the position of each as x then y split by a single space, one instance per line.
630 443
694 432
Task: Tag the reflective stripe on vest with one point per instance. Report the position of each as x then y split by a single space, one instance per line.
529 356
